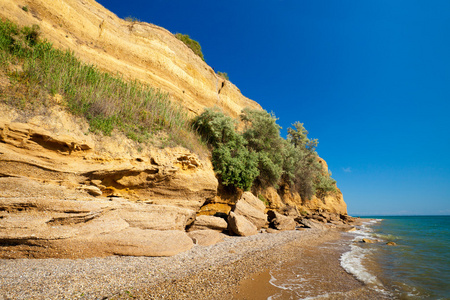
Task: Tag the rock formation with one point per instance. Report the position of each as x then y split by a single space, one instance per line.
240 225
280 222
137 50
252 209
67 194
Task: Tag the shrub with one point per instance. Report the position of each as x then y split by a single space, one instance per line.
262 134
233 163
223 75
131 19
192 44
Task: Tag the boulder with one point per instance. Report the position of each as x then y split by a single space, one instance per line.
240 225
368 241
272 230
209 222
280 222
290 211
92 190
310 223
391 243
205 237
252 209
318 218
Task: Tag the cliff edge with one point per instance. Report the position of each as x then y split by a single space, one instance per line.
136 50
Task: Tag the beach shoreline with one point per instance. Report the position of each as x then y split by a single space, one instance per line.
213 272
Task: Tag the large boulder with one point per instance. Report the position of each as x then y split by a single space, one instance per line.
252 209
281 222
240 225
205 237
209 222
310 223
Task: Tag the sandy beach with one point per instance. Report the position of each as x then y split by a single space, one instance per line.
238 267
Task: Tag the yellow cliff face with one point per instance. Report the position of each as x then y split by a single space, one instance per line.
136 50
151 54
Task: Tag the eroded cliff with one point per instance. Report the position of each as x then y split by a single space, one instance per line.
65 192
136 50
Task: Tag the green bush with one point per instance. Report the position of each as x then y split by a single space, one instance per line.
259 156
192 44
234 164
131 19
262 134
223 75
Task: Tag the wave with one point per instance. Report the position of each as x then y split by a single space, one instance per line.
353 261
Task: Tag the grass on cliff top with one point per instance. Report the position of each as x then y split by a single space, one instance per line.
37 73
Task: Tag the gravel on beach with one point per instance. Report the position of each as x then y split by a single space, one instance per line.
204 272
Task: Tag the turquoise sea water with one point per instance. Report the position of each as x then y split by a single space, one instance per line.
418 266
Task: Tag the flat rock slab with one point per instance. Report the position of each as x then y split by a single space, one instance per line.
203 222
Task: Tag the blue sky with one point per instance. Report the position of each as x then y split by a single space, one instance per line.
369 79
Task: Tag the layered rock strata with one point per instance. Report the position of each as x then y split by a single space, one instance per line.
67 194
136 50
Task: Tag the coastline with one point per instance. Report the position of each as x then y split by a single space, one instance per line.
222 271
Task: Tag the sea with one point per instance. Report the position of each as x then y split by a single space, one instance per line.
416 267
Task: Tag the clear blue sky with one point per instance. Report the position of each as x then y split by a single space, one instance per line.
369 79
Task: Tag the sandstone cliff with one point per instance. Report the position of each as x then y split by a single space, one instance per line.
67 194
137 50
64 192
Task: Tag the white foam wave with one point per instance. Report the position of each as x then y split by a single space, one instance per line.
290 284
351 261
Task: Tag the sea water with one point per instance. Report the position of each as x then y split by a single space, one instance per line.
417 267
